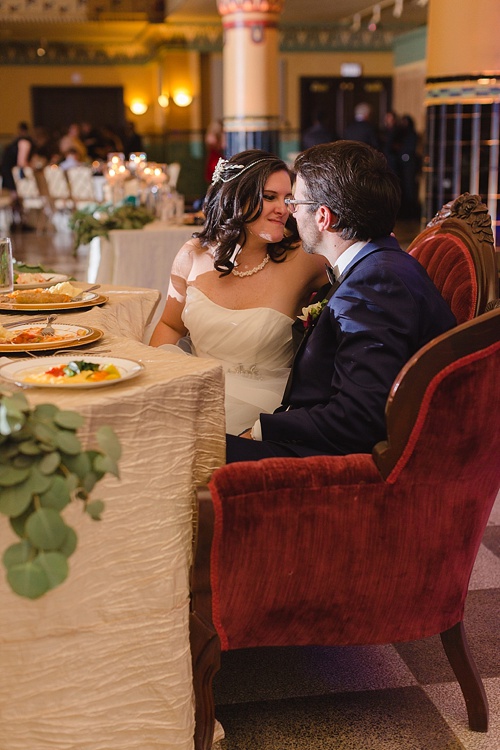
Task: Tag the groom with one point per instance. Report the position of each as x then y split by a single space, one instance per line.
381 309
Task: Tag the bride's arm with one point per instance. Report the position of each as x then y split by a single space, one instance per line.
170 327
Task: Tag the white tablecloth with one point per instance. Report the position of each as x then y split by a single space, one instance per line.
103 661
138 257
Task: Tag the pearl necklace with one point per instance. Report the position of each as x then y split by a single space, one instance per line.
253 270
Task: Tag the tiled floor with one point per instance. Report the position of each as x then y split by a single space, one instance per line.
402 697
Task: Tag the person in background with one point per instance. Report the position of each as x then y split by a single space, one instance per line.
409 168
214 143
390 140
362 129
238 285
72 140
318 132
132 140
17 154
72 160
381 309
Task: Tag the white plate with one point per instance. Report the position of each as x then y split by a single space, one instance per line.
89 299
50 280
16 372
77 336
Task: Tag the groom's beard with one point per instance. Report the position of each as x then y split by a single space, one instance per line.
311 238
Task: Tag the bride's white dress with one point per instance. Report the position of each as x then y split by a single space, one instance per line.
255 348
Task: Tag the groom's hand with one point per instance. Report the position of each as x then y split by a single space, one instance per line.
246 434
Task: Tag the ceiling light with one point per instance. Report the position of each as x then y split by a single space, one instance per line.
163 101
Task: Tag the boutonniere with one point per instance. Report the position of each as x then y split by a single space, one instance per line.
311 313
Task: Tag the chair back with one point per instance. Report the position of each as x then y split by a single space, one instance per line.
328 551
457 250
27 187
57 184
173 171
81 186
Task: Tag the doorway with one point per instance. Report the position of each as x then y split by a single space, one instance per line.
337 97
56 107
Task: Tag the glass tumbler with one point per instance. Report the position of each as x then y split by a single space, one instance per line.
6 266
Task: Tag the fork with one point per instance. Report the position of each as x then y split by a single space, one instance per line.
84 291
48 330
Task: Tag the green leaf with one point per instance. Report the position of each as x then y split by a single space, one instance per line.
79 465
29 448
45 411
45 529
45 433
57 496
106 464
89 481
70 420
28 579
54 565
10 476
108 442
15 500
17 553
72 482
19 401
94 509
68 442
17 523
70 542
37 482
49 463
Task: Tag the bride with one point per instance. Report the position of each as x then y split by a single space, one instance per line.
237 286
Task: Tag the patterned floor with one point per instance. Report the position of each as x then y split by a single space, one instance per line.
402 697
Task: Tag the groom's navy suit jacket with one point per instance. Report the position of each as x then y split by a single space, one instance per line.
384 309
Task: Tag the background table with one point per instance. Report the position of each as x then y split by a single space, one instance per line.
138 257
103 661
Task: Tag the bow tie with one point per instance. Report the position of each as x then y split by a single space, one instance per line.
330 273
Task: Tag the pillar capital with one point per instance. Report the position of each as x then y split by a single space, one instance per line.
230 7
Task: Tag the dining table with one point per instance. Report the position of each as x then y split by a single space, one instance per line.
102 662
138 257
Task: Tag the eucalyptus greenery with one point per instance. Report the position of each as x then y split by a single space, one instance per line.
96 220
42 469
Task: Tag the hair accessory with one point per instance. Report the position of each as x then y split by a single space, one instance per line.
224 165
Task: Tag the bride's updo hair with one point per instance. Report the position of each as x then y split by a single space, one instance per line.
234 199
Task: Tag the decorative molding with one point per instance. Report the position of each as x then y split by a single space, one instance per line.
472 210
201 37
227 7
478 90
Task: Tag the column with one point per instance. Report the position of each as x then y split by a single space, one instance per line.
463 104
250 74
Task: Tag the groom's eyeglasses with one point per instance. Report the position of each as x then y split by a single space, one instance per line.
292 204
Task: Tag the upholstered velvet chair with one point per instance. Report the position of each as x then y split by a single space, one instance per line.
359 549
457 250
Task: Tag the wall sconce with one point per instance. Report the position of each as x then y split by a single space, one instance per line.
138 107
163 101
182 97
